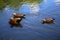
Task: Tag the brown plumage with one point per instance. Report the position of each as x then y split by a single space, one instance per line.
48 20
18 15
15 21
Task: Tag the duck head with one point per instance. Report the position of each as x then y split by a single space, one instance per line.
14 13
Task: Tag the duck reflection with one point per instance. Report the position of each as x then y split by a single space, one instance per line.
18 25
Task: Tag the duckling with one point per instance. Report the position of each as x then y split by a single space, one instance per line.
18 15
48 20
15 21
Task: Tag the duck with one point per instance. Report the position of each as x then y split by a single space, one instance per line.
18 15
48 20
14 21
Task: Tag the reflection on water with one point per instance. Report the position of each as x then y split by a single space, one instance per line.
57 1
30 10
34 8
32 28
16 3
19 25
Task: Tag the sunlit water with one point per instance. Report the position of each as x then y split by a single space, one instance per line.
32 27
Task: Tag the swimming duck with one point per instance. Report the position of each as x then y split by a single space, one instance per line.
18 15
15 21
48 20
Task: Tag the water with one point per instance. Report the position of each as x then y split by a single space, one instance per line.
32 28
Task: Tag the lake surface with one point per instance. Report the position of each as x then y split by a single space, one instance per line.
31 27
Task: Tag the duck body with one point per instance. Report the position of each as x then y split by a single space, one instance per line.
48 20
18 15
15 21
